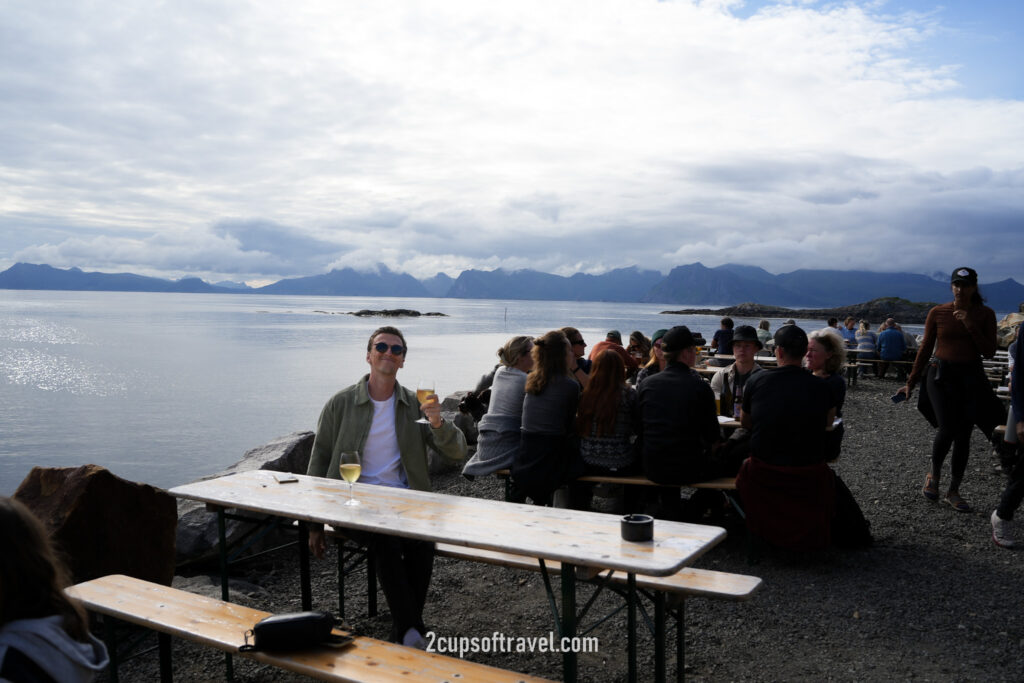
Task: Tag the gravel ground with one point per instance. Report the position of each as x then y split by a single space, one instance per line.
933 599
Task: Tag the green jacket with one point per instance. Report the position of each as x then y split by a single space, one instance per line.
345 423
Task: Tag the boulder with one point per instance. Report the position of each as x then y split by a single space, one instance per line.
197 527
1006 329
104 524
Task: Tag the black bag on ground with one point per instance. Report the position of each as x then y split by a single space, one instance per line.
293 631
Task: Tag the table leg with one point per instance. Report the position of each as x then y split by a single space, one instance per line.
569 672
631 626
222 539
164 644
304 582
659 637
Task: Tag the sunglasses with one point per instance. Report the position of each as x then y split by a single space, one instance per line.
577 342
396 349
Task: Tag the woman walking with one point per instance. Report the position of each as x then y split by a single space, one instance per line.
956 390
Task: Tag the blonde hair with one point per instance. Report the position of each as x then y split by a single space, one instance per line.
514 349
833 345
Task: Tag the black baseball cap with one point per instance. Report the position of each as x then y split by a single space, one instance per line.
791 339
964 275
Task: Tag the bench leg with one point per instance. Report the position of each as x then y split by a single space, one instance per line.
659 637
371 584
164 645
110 637
681 642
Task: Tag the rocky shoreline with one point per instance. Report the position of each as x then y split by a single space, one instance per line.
933 599
874 311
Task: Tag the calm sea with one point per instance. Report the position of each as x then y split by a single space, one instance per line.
164 388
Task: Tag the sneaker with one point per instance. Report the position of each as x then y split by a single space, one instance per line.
1002 531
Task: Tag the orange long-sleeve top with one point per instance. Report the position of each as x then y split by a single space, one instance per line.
948 339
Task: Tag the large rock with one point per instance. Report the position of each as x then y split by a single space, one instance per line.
197 527
104 524
1006 329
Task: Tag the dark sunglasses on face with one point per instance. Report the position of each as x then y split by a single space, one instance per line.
578 342
396 349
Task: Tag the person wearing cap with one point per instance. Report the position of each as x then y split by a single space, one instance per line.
728 382
956 394
788 490
657 362
677 412
613 341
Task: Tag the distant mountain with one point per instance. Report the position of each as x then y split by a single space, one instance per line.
228 284
438 285
693 285
350 282
623 284
724 285
31 276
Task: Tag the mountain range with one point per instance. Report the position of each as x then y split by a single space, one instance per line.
693 284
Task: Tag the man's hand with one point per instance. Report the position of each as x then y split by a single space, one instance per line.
432 410
905 390
317 543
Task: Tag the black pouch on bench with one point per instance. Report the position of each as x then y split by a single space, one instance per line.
293 631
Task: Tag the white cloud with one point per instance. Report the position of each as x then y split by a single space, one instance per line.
260 140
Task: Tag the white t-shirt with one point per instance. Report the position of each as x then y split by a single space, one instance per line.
382 461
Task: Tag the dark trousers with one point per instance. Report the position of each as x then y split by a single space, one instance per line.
953 404
404 566
1014 492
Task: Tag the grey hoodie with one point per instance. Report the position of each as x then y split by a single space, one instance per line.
45 642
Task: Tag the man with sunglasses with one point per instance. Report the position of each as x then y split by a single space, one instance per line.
377 416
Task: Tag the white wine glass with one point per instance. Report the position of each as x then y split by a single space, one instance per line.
424 389
350 468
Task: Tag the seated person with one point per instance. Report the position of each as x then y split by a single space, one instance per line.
499 438
788 491
677 413
826 354
581 367
44 636
548 456
613 341
657 362
764 335
728 384
607 422
721 343
376 416
892 346
639 347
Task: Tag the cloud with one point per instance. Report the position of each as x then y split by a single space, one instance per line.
258 140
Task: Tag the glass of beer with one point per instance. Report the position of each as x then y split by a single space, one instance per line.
718 403
350 469
424 389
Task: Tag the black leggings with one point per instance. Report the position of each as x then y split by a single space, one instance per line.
952 398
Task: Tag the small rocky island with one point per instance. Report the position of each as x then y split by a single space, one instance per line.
875 311
388 313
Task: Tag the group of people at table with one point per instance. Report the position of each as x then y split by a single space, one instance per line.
554 415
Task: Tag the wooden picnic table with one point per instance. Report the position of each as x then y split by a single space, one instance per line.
573 537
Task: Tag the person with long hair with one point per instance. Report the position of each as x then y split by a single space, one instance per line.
956 392
826 354
548 456
657 362
44 636
499 438
607 423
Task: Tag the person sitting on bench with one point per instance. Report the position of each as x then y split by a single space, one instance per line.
376 416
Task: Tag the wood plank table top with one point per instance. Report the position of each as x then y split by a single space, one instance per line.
585 538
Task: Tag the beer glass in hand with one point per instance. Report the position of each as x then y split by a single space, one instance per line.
424 389
350 469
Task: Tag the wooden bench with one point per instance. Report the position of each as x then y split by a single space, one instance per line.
221 625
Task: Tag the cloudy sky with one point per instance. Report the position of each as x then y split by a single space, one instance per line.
252 141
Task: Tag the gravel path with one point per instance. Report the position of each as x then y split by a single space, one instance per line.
934 599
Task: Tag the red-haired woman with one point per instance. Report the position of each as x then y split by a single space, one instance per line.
607 422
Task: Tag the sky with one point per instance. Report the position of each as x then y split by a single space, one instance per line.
254 141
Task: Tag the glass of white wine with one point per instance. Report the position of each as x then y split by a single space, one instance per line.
424 389
350 468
